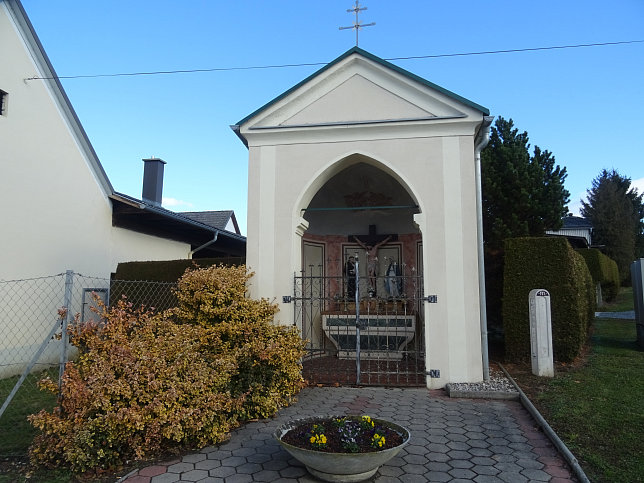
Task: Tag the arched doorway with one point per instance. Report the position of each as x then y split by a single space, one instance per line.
361 222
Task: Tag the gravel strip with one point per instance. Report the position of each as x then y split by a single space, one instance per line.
498 385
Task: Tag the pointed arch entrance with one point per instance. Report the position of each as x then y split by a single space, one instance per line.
361 262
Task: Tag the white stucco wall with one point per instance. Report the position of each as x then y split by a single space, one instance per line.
54 207
55 213
447 221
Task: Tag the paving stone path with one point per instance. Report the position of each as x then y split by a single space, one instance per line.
452 440
629 315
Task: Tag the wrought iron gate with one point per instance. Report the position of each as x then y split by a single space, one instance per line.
387 322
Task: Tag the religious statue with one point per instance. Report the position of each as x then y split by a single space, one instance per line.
393 281
372 261
350 272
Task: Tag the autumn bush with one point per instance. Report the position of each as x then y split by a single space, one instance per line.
141 385
147 383
268 355
216 294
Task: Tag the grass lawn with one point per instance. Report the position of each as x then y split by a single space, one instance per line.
623 302
596 405
16 431
16 434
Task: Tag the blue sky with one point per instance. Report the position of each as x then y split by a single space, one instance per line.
583 104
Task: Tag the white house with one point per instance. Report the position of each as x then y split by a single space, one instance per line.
578 231
58 208
363 153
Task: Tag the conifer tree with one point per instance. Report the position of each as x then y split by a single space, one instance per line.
616 211
523 195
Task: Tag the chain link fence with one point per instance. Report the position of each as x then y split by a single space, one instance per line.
33 342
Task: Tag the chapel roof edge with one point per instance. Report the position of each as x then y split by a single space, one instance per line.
368 55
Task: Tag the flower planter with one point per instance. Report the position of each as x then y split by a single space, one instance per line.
341 466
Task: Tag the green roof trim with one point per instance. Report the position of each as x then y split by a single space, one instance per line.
357 50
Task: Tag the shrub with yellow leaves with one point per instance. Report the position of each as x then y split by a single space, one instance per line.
141 385
146 383
268 355
208 296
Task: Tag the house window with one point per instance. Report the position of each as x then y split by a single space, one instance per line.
3 103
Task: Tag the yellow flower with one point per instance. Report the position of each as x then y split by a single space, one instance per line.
367 422
378 441
312 439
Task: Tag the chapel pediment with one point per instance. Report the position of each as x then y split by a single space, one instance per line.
357 100
358 88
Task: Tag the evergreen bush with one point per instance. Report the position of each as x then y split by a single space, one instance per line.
551 264
215 294
604 271
168 270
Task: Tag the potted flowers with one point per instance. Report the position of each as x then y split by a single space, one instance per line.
342 448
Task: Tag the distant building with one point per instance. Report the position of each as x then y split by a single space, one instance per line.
578 231
221 219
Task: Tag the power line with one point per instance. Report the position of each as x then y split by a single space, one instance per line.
314 64
509 51
187 71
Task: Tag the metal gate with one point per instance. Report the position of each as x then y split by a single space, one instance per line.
367 331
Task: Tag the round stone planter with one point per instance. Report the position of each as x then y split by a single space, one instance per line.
341 466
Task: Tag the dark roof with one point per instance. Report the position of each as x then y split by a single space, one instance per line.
141 216
576 222
218 219
374 58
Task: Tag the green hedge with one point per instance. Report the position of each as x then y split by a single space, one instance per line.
551 264
152 283
168 270
604 271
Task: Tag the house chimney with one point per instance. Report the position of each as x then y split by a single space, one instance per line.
153 180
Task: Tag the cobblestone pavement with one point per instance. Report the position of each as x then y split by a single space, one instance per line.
451 440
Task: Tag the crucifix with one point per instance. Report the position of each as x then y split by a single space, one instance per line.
370 244
357 25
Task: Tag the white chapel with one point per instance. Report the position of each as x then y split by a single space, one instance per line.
366 170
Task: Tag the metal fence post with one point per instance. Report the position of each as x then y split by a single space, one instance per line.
67 303
357 320
29 367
